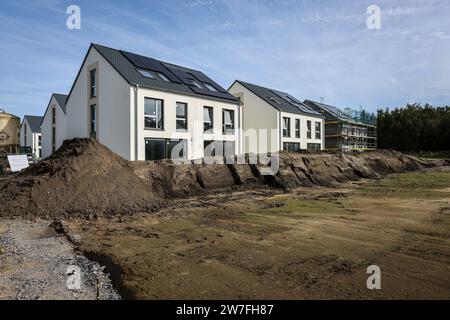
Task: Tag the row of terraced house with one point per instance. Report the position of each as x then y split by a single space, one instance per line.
145 109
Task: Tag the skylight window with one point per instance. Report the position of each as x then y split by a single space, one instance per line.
198 85
163 77
275 100
210 87
146 74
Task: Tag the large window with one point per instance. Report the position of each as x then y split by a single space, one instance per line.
318 130
297 128
93 74
182 116
286 127
158 149
228 121
308 132
154 114
208 119
314 146
291 146
219 149
93 122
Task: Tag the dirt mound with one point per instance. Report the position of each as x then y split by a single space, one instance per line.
304 169
83 178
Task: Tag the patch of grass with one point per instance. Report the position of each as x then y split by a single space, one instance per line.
423 185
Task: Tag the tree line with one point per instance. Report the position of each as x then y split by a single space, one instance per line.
414 128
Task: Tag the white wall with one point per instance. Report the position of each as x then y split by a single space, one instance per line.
113 94
46 128
194 135
256 114
32 138
303 140
116 114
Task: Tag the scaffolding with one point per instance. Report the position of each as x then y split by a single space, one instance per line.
347 129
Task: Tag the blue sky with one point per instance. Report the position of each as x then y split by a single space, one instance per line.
310 49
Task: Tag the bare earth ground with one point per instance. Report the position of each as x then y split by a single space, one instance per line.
309 243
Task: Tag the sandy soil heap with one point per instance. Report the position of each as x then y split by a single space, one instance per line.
85 179
295 170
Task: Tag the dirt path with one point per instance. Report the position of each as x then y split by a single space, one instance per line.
309 243
34 263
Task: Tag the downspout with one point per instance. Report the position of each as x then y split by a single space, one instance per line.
240 126
136 135
280 131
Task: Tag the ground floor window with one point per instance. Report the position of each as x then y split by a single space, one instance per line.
314 146
219 148
93 122
291 146
158 149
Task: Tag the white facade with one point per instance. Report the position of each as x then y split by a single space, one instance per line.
30 138
259 116
53 128
120 119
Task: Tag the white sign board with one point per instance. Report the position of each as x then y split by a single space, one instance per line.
18 163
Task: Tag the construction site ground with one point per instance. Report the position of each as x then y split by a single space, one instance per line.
308 243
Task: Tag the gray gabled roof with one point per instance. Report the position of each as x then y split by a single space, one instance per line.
34 122
61 99
280 100
181 78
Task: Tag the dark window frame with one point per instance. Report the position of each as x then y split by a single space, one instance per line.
185 119
93 82
318 130
166 143
287 130
297 128
225 129
93 121
309 129
291 146
211 120
157 128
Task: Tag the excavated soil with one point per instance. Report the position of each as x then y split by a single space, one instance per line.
82 179
85 179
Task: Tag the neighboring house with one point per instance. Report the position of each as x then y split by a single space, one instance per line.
30 134
53 124
347 129
141 108
9 132
294 126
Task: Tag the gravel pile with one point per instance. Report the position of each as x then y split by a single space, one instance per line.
35 262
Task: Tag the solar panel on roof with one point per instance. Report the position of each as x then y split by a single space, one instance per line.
150 64
212 93
203 78
183 76
295 102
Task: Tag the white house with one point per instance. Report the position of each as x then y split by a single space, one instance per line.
292 124
141 108
30 134
53 124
